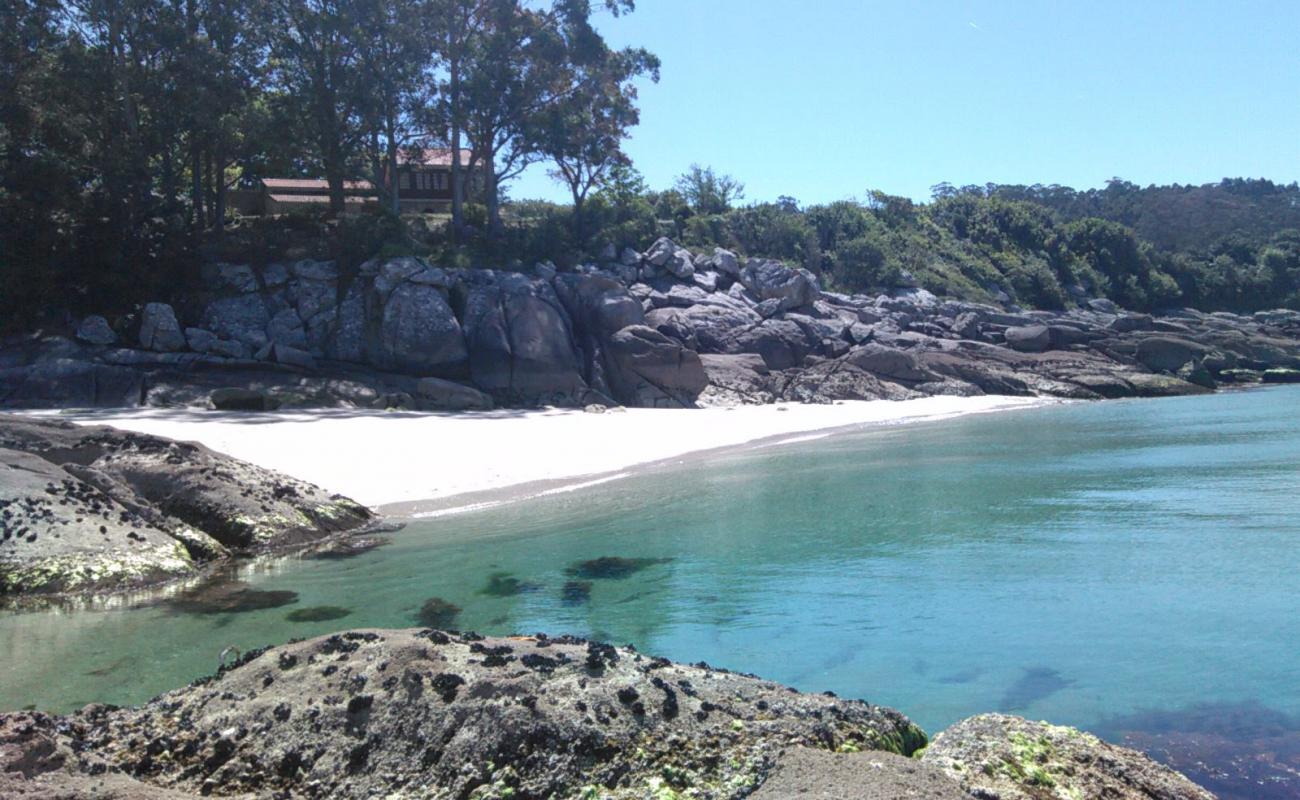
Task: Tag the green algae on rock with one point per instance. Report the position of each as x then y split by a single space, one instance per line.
995 755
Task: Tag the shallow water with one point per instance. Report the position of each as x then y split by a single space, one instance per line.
1088 564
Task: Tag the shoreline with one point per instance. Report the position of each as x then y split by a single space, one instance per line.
425 464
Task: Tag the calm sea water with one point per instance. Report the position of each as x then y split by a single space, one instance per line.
1120 566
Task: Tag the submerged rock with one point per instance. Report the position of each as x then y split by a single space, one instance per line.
612 567
438 613
318 614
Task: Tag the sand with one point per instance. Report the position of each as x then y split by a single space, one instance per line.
416 463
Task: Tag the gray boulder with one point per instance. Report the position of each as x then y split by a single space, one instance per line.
441 394
200 340
995 755
242 318
520 341
70 383
96 330
1029 338
159 329
646 368
1168 354
889 363
766 279
660 252
419 334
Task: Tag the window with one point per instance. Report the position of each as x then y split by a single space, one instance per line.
404 180
440 180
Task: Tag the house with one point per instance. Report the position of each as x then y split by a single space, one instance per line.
286 195
423 186
424 179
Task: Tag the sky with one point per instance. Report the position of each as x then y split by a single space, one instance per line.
824 100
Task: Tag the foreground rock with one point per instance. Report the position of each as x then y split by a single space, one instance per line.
91 508
421 713
1009 758
660 328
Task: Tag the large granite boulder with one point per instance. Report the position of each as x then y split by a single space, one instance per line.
520 341
159 329
96 330
646 368
418 333
1167 353
994 755
771 280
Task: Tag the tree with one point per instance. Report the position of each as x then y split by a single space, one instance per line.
317 52
707 192
394 61
582 134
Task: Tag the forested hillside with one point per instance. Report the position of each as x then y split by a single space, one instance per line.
125 125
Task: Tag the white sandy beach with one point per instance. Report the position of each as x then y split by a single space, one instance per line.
384 458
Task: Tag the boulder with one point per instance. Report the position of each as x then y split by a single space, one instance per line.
242 506
242 318
1029 338
736 379
995 755
451 396
520 342
159 329
660 252
96 330
725 262
889 363
766 279
1167 353
781 343
418 333
646 368
681 264
200 340
292 356
237 278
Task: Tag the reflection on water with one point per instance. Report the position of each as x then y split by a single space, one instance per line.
1077 564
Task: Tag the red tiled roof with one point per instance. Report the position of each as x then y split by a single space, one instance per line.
308 183
431 156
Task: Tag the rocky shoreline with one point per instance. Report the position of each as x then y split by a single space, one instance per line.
423 713
95 509
663 328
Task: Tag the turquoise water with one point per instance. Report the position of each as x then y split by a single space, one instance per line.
1075 563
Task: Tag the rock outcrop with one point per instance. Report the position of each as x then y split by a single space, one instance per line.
422 713
95 508
995 755
639 330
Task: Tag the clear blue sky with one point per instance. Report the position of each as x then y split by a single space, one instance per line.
824 99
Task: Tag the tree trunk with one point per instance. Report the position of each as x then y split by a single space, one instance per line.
490 189
196 186
219 204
